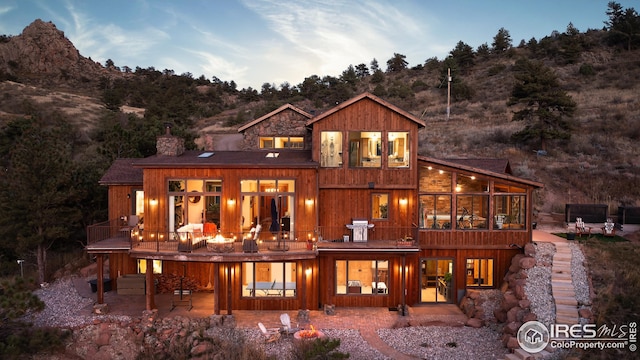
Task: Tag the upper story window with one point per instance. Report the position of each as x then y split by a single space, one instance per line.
365 149
398 149
281 142
434 180
331 149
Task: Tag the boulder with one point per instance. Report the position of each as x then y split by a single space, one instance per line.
527 262
530 250
474 323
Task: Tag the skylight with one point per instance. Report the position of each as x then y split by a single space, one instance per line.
206 154
273 155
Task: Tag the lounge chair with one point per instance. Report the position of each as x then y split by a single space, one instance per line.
581 228
286 324
270 335
609 228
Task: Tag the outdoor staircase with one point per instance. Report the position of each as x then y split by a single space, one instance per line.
563 293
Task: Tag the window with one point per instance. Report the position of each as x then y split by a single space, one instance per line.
479 272
435 211
398 149
331 149
380 206
194 201
472 211
281 142
509 211
357 277
365 149
142 266
267 208
269 279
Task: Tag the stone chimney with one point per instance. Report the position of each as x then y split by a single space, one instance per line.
169 145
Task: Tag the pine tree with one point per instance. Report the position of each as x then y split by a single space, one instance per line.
541 104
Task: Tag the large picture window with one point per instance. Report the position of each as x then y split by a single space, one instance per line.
365 149
194 201
479 272
472 211
435 211
269 279
267 208
358 277
331 149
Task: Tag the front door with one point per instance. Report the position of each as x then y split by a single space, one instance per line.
436 280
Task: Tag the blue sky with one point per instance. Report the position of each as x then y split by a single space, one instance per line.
274 41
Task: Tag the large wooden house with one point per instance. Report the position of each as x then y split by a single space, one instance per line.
334 209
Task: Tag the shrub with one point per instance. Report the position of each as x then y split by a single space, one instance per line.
586 70
318 349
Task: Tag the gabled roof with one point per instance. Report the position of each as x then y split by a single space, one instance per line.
372 97
122 172
274 112
497 168
279 158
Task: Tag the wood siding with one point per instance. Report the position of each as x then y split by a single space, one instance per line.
366 115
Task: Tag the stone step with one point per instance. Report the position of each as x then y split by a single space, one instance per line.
566 301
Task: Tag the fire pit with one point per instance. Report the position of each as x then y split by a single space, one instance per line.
308 334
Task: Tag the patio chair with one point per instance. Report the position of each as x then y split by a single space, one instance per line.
581 228
609 228
270 335
286 324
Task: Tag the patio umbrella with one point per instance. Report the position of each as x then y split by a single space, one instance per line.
275 224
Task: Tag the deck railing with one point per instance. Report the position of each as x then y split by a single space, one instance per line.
221 241
111 229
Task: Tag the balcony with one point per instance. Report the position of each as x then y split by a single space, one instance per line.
113 236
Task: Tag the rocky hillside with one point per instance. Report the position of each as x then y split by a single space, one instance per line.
42 55
599 164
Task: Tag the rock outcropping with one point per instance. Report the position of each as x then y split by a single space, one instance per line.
42 55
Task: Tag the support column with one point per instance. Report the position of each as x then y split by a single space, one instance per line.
100 278
229 275
216 289
150 286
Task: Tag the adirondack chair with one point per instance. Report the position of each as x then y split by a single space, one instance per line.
270 335
609 228
581 228
286 324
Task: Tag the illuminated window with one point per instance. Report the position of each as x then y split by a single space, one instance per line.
435 211
331 149
398 149
509 212
362 277
142 266
380 206
472 211
282 142
365 149
194 201
269 279
479 272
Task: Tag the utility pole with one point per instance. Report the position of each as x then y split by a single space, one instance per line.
448 92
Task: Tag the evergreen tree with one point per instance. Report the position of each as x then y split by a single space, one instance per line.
623 25
39 196
541 104
501 42
397 63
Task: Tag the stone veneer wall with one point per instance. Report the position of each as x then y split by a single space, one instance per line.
285 123
169 145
